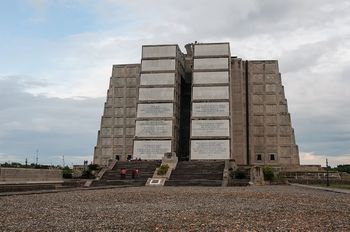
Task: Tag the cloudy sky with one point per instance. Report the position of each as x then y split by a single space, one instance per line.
56 58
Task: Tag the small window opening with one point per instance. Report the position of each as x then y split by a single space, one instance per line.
258 157
272 157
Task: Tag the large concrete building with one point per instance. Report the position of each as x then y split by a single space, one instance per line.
202 105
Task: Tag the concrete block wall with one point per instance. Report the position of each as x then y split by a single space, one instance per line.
238 105
117 131
157 122
271 136
211 110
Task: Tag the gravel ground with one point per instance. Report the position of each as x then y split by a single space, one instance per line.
265 208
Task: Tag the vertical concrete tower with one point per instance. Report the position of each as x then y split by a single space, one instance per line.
210 121
116 135
158 108
204 105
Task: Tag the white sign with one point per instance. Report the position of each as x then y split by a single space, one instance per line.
210 149
210 128
157 79
154 128
210 77
151 150
158 51
155 110
154 94
210 109
212 49
210 63
158 65
214 92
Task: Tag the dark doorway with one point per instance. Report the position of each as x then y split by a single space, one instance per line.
185 117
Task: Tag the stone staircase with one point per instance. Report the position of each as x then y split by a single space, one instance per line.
197 173
112 177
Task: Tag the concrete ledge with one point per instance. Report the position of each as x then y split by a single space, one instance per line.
20 175
336 190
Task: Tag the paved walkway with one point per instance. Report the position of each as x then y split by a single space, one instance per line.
336 190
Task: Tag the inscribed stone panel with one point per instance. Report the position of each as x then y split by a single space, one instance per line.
217 92
158 51
207 128
154 128
210 149
210 77
210 109
155 110
158 65
157 79
151 150
153 94
211 50
211 63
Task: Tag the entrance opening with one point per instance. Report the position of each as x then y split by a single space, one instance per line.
185 118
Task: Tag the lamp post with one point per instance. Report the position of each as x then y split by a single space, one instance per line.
327 174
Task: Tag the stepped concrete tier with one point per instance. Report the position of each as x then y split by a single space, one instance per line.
203 105
112 177
197 173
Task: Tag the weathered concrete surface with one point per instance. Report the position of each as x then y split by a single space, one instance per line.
26 175
267 208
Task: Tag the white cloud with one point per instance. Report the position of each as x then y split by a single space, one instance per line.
313 158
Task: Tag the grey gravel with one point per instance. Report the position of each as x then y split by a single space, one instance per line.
265 208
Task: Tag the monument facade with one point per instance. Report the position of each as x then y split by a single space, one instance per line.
202 105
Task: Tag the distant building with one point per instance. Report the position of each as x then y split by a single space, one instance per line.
203 105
